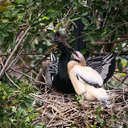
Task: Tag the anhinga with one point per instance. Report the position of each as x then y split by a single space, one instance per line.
104 65
85 80
61 81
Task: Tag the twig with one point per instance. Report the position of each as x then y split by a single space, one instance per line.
15 60
12 80
124 96
105 19
113 42
122 81
122 53
54 116
12 53
69 11
27 76
110 33
27 54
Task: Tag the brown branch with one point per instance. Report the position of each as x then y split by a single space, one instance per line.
12 81
10 78
113 42
26 54
24 74
12 53
110 33
15 60
105 19
123 80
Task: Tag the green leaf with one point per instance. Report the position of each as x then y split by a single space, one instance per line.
98 109
99 120
78 97
14 109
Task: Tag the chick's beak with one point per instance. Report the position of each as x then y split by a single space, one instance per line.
75 56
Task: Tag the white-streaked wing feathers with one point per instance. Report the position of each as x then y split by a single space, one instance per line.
105 65
87 74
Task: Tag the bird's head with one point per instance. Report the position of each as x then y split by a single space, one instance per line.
79 57
60 40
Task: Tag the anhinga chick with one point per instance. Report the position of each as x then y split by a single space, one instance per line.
86 81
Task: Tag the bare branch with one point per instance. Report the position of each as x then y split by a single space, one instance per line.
12 53
12 81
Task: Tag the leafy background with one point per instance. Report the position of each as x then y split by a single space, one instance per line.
26 32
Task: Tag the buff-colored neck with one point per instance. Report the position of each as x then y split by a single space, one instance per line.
80 58
82 62
71 64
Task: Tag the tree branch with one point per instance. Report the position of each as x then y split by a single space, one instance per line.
12 53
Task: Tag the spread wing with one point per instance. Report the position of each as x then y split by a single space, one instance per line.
87 75
104 65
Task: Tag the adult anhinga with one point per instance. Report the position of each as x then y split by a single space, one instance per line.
104 65
61 81
85 80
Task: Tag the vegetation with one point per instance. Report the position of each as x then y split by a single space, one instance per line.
26 31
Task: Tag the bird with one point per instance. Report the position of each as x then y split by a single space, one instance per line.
104 65
85 80
61 81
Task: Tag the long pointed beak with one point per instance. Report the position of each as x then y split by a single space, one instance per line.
69 48
72 50
60 40
52 48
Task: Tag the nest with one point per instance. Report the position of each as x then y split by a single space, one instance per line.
64 110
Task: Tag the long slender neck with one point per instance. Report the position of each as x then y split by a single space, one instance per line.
82 62
78 56
64 50
63 60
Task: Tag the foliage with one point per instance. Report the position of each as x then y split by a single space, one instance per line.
16 106
105 30
104 21
105 24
